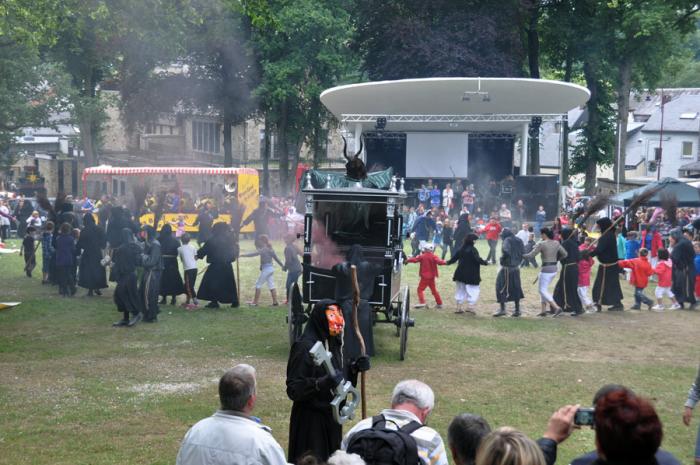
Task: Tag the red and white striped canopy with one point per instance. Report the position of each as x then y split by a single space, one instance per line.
155 170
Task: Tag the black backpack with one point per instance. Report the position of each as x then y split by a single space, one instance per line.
380 445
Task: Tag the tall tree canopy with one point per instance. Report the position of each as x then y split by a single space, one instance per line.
400 39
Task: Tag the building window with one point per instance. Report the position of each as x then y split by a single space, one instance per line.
687 151
206 137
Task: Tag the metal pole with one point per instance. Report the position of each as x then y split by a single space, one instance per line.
619 150
661 139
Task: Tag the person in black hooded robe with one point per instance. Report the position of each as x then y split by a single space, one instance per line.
508 286
219 282
461 231
312 427
683 270
125 259
92 241
566 289
606 288
152 263
366 274
170 280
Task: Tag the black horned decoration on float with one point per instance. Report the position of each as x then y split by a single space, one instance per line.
355 167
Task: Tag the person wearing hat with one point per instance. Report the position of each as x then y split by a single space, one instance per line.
683 270
606 288
508 286
428 273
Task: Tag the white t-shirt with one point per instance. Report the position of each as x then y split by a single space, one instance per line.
187 256
4 221
523 235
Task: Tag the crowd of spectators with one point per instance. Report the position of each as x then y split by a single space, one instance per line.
627 429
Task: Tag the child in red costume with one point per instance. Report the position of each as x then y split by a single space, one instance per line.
428 272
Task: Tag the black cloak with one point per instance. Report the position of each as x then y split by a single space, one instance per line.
366 274
462 230
170 279
566 289
91 242
311 424
152 262
125 260
683 270
508 285
219 282
469 262
606 288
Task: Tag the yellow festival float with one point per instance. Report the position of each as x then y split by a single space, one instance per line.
241 183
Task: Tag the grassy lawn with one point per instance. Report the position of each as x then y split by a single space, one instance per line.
74 390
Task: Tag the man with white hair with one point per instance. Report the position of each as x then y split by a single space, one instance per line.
411 401
232 435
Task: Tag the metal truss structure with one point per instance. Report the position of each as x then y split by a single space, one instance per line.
496 118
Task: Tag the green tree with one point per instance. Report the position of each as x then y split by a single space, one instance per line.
642 38
302 46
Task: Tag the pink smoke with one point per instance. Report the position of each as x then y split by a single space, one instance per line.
325 252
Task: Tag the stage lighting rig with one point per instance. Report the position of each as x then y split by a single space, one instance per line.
380 125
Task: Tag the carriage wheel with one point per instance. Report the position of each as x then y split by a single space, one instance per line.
405 323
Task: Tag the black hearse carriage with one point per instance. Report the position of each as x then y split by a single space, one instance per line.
341 212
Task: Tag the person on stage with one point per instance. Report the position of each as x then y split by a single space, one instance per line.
566 290
219 282
92 241
152 263
551 252
125 259
311 424
606 288
508 287
683 271
170 280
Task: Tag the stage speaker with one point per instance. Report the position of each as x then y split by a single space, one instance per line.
536 190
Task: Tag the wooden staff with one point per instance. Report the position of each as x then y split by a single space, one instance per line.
358 333
636 202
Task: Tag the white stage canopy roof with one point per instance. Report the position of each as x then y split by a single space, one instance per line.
453 104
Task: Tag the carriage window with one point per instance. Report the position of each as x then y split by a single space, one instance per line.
354 222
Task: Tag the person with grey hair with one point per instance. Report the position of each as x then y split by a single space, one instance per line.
340 457
411 401
232 435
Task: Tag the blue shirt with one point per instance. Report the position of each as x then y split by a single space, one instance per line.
423 227
697 265
632 246
435 197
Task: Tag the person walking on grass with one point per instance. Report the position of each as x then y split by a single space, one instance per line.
585 264
188 257
267 269
47 251
492 230
28 251
663 272
467 276
508 285
65 260
551 252
292 265
639 278
428 273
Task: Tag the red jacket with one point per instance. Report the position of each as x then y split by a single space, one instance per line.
584 272
428 264
663 271
641 270
492 230
656 242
